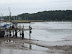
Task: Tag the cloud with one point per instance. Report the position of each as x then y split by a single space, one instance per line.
30 6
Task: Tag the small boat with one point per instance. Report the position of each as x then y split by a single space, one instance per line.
4 25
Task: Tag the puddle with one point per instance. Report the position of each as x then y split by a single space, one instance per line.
34 47
26 45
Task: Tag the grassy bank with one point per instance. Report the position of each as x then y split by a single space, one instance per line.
26 21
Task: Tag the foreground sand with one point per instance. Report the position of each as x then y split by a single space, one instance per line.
16 46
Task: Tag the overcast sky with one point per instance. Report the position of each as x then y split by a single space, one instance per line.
33 6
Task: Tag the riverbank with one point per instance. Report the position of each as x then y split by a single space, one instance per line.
60 47
28 21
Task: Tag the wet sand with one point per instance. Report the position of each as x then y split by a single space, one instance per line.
12 45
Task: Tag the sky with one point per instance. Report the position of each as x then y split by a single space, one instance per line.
32 6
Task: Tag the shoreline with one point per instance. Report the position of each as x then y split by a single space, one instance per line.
18 44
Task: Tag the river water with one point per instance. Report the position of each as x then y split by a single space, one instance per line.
49 31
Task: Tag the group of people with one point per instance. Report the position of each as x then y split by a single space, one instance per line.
8 32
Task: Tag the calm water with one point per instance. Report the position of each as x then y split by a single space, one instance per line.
49 31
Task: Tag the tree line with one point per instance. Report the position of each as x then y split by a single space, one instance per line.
53 15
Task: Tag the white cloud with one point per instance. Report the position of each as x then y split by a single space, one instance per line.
21 6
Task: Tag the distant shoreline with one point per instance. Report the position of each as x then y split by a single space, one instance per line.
28 21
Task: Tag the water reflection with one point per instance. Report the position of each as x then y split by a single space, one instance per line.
34 47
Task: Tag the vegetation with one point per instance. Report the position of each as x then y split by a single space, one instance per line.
56 15
26 21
